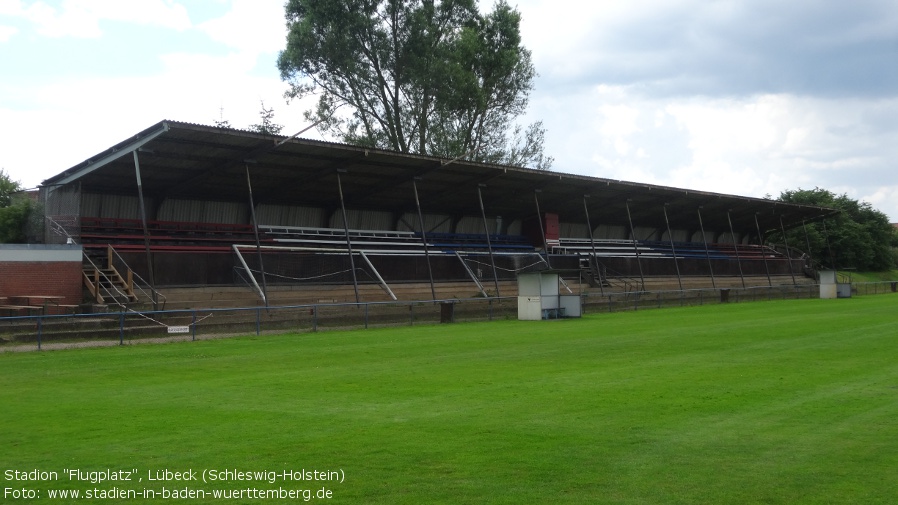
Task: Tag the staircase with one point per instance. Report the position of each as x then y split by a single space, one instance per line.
105 283
595 273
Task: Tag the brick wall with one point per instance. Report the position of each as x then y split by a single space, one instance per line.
42 278
41 270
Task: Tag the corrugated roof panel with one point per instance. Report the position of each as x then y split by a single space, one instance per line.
181 161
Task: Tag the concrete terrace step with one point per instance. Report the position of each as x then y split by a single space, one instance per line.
278 295
666 283
242 296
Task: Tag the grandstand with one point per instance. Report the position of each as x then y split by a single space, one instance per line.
213 216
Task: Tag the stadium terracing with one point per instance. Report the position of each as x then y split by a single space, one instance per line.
186 206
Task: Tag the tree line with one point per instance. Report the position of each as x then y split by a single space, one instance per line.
858 237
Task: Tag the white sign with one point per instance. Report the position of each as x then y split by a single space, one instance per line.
179 329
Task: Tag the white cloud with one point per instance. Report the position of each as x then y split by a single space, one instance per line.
88 115
883 199
82 18
208 68
11 7
6 32
250 26
724 48
751 146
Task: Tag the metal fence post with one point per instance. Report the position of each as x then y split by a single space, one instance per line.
314 318
193 327
258 321
121 328
39 332
366 316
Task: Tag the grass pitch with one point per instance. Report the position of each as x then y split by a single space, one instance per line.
771 402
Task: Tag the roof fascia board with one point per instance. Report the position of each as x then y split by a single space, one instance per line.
113 156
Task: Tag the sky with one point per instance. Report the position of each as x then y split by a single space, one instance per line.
743 97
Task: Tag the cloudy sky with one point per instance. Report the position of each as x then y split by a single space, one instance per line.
746 97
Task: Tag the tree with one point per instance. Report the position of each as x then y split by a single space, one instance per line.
430 77
15 210
8 188
859 237
267 126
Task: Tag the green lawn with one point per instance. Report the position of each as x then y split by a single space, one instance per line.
771 402
885 276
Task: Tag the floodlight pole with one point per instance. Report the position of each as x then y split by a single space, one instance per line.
763 255
489 244
355 282
252 213
673 248
736 247
146 232
433 291
707 250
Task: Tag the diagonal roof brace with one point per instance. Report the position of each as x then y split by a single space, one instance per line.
110 155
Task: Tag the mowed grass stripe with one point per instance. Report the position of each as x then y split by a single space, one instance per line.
769 402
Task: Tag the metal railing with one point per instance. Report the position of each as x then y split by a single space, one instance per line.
23 333
26 333
99 284
137 283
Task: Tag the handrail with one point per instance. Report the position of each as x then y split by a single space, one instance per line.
134 275
57 228
628 282
97 285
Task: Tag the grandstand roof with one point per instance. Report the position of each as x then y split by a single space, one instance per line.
188 161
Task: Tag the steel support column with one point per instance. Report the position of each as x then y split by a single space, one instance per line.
736 248
433 291
542 229
788 251
673 248
701 225
383 283
592 245
146 232
471 275
764 256
252 213
355 282
832 259
807 241
635 246
489 244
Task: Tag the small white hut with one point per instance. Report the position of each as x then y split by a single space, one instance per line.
540 297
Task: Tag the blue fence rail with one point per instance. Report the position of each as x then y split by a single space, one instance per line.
26 333
22 333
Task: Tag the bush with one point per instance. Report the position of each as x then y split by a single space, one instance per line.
14 221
